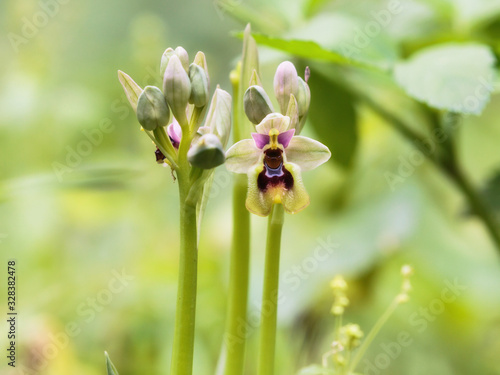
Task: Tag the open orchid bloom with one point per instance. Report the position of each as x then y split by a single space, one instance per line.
273 161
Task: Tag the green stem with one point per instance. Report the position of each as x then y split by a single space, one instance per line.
235 337
270 293
235 334
185 314
183 347
477 204
373 333
450 166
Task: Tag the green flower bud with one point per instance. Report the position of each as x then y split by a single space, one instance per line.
293 112
200 60
165 58
257 104
132 89
303 102
219 115
254 79
303 97
177 89
199 86
152 109
183 56
207 152
286 82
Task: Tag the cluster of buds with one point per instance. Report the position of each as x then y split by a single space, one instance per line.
185 95
292 93
340 300
406 273
276 155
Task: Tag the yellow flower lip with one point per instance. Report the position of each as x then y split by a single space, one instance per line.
273 138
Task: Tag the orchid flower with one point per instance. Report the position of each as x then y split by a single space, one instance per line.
273 161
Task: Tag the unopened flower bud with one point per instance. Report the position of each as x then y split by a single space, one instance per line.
152 109
177 89
286 82
219 115
207 152
165 58
257 104
254 79
293 112
199 86
183 56
303 97
200 60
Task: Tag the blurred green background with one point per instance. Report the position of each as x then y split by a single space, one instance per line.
75 216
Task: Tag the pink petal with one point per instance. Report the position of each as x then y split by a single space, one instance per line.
174 131
285 137
260 140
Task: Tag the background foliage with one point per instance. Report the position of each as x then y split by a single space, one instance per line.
74 216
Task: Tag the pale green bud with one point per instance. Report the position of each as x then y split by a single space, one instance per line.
152 109
183 56
132 89
254 79
286 82
293 112
207 152
199 86
177 89
200 60
303 97
165 58
257 104
219 115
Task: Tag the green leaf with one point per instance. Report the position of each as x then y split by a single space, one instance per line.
132 89
453 77
302 48
111 369
340 39
333 117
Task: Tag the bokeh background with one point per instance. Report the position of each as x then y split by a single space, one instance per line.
94 229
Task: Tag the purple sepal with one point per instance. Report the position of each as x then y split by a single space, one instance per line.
260 140
285 137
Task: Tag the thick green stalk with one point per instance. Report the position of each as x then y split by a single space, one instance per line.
235 337
183 347
270 292
185 314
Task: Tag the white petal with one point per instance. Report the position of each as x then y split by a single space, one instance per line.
307 153
242 155
273 120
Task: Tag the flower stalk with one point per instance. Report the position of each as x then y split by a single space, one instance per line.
192 150
269 309
235 341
